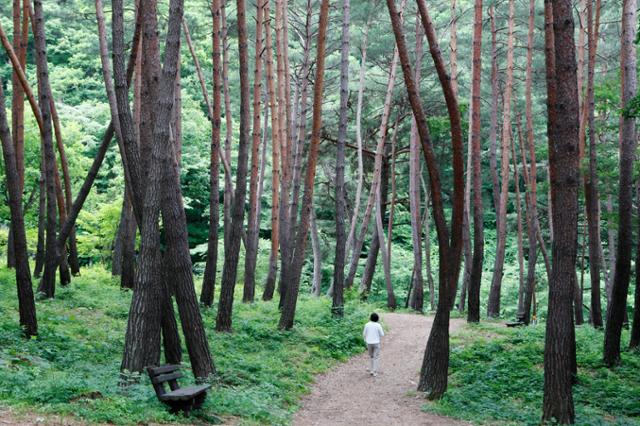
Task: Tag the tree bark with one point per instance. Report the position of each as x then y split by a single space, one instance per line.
337 307
47 284
531 177
634 341
316 286
618 303
26 304
270 284
210 272
433 377
20 42
475 280
416 300
253 224
493 308
234 236
563 133
516 180
592 197
495 99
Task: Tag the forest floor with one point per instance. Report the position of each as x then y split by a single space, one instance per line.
349 395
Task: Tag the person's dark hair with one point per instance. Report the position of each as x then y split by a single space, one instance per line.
374 317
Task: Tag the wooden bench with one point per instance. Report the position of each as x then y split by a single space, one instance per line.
177 398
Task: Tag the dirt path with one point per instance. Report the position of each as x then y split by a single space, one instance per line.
348 395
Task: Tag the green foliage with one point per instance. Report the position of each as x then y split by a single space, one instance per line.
72 367
497 377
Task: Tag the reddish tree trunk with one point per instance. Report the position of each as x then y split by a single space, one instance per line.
563 126
493 308
26 304
253 223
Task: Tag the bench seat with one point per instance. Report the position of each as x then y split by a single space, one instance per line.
184 394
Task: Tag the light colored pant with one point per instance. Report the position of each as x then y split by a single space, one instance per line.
374 355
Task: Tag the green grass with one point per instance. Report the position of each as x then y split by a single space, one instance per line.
496 377
72 367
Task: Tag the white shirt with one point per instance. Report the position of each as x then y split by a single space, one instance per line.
372 333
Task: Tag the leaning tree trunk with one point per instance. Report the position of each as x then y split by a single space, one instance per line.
47 284
433 377
493 308
382 134
26 304
234 237
563 119
618 304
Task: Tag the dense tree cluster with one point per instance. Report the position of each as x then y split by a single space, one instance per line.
265 126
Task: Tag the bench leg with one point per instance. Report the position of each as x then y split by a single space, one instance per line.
199 400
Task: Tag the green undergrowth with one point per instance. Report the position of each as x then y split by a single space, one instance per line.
72 367
496 377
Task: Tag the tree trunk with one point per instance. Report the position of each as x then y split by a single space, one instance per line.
493 309
67 201
516 180
531 177
618 303
253 224
337 307
47 284
209 279
475 280
382 134
234 236
228 115
270 284
358 197
374 249
416 300
142 339
433 376
20 42
294 268
634 341
26 304
592 197
563 119
316 286
495 99
39 260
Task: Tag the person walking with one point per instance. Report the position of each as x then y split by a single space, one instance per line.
372 335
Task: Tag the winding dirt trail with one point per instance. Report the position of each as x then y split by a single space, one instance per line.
348 395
